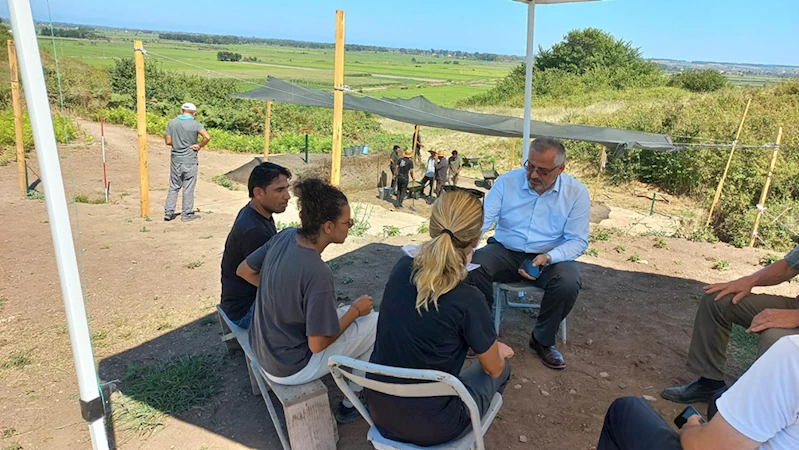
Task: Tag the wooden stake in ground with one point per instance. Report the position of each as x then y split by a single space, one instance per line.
603 158
338 100
21 171
141 109
761 205
267 130
727 168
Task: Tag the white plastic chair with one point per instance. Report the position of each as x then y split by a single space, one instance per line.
435 384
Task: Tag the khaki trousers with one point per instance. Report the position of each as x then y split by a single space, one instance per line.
707 355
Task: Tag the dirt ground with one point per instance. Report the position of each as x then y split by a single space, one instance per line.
151 288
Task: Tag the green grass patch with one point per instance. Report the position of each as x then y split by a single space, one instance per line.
17 360
151 392
600 234
13 446
9 432
742 352
34 195
634 258
361 216
660 243
282 226
194 264
769 259
81 198
423 228
224 181
619 249
592 252
390 231
722 265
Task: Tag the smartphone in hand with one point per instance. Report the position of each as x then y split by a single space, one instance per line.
533 271
682 419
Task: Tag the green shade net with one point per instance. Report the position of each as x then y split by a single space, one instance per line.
420 111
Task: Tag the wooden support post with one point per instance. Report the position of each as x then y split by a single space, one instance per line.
602 161
141 109
338 100
22 173
762 203
416 156
267 130
727 168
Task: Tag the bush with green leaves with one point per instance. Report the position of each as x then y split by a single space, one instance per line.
699 80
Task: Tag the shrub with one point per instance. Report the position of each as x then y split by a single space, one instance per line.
699 80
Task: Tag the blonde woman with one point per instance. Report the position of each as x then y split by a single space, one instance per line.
429 318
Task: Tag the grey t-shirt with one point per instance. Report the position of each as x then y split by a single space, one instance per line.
296 299
184 131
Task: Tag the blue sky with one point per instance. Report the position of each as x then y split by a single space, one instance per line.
751 31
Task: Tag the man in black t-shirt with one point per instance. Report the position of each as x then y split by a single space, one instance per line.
395 157
403 170
254 226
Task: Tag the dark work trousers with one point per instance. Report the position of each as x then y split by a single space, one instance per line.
632 424
426 180
393 179
402 189
561 283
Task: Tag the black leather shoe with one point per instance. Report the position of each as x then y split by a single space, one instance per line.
690 393
549 356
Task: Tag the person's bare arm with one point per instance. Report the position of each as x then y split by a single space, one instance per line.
493 360
774 274
718 434
206 138
248 273
168 139
361 307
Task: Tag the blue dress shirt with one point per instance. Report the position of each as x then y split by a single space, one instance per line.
555 222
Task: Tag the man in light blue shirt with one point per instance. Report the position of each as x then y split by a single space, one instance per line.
430 173
541 214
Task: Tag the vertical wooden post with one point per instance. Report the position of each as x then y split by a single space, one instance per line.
141 109
416 157
21 171
602 161
267 130
338 100
762 203
727 168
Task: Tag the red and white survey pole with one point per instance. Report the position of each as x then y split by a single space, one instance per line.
106 184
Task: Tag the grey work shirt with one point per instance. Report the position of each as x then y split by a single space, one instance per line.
184 131
792 258
296 299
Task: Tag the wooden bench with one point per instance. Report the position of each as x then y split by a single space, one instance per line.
309 421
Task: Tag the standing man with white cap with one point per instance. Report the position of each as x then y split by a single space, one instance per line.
182 133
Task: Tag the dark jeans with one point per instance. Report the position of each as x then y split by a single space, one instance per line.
402 189
632 424
561 283
425 181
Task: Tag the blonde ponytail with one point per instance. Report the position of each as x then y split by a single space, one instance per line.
440 264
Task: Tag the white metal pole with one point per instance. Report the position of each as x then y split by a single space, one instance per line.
57 212
528 80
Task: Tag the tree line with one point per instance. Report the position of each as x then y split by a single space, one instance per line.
217 39
78 33
228 56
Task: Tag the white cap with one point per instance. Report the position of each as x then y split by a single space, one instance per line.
188 107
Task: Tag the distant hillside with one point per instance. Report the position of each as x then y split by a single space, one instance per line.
773 70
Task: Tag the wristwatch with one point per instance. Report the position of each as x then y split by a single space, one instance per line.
549 259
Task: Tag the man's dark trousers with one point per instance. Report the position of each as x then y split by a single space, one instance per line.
632 424
561 283
402 189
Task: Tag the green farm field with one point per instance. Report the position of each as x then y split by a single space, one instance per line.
391 74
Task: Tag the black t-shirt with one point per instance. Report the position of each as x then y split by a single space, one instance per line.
250 231
405 166
436 340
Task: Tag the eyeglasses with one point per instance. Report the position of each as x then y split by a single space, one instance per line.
350 223
476 193
541 171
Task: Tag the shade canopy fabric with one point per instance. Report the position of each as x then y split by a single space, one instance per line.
420 111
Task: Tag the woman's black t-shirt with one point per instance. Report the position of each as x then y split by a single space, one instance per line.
434 339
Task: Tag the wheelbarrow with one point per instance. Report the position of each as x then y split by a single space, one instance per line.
488 175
